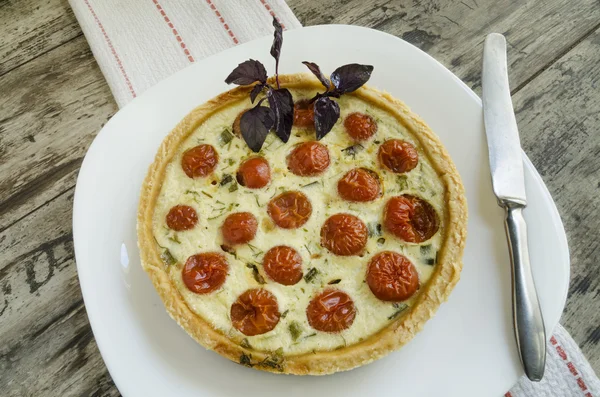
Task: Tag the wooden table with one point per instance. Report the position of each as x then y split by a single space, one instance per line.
53 101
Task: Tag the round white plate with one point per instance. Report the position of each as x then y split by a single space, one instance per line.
467 349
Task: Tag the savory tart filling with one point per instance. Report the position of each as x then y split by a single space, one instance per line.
305 246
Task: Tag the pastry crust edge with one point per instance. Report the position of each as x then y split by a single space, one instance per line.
390 338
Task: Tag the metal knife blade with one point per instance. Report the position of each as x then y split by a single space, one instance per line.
500 124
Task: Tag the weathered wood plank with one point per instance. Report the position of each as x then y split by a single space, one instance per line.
30 28
46 123
559 114
452 31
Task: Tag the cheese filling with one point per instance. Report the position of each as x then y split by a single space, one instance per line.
215 196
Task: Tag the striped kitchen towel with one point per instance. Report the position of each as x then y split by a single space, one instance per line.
137 43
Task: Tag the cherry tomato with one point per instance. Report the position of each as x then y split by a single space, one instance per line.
182 217
199 161
359 184
239 228
392 277
290 210
360 126
236 124
331 311
304 114
308 158
344 234
255 312
204 273
410 218
398 156
254 173
283 264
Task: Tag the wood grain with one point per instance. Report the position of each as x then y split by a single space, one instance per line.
53 100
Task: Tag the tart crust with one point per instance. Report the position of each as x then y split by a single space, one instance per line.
391 337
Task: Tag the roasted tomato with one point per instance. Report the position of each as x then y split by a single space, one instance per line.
360 126
254 173
290 210
331 311
344 234
392 277
204 273
308 158
181 217
398 156
283 264
199 161
255 312
359 184
410 218
304 114
239 228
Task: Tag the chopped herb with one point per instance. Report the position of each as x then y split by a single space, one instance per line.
274 360
376 142
175 239
230 161
310 336
284 314
226 179
430 261
311 274
310 184
381 241
259 279
255 250
353 150
374 229
206 194
229 250
400 307
196 195
336 281
167 258
425 249
246 360
307 249
225 137
256 198
295 329
402 182
233 187
245 344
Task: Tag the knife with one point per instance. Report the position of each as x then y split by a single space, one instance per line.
508 181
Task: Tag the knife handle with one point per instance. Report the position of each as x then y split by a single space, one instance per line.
527 315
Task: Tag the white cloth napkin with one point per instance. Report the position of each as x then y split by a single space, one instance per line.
140 42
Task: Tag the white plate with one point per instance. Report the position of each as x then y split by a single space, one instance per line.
467 349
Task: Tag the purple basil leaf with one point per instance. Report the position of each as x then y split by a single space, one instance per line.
282 104
247 73
314 68
257 89
327 112
276 47
255 125
350 77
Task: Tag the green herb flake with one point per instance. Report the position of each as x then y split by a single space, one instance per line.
336 281
275 360
233 187
284 314
225 137
402 181
226 179
374 229
295 329
206 194
246 360
245 344
309 184
230 161
400 307
310 275
174 239
257 276
425 249
351 151
380 241
195 194
167 257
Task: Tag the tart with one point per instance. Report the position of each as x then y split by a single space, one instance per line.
308 257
